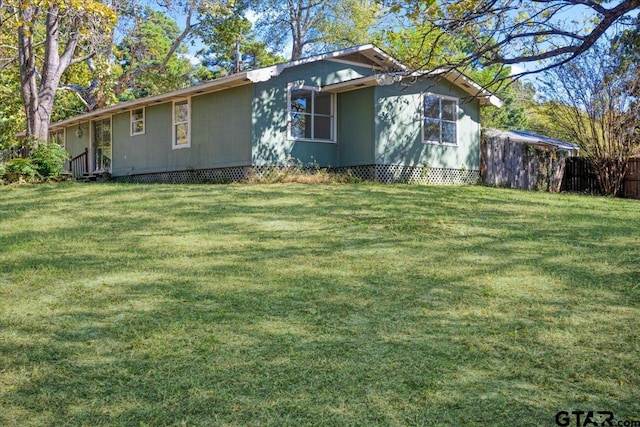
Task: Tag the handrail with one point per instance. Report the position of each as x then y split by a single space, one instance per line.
79 165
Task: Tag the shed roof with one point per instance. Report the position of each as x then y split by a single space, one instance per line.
533 138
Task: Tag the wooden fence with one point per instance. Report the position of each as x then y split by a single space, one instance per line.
515 165
580 177
631 184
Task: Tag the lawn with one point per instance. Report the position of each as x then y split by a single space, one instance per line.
359 304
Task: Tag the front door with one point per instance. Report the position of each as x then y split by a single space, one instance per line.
102 138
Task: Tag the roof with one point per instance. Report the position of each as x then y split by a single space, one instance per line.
365 55
532 138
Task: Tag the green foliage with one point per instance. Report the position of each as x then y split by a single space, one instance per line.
21 167
226 36
11 108
141 53
419 45
349 23
315 26
517 97
48 160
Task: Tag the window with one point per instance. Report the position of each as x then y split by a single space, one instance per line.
181 124
311 115
137 121
57 137
440 121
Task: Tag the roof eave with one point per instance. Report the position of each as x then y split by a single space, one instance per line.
486 97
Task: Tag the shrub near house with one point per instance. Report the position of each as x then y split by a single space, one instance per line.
45 162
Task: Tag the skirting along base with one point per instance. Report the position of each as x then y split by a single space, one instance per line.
379 173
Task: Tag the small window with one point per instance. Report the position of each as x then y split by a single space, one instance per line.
310 114
137 122
440 120
181 124
57 137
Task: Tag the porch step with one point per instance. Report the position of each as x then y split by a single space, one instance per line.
95 177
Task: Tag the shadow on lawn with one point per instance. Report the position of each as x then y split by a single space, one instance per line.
399 306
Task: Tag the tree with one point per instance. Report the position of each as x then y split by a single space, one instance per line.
11 109
514 31
195 13
231 43
313 25
145 51
517 98
52 36
597 99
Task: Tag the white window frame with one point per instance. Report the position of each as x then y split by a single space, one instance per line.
440 119
174 143
294 86
133 121
62 131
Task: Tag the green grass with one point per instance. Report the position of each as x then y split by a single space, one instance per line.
295 304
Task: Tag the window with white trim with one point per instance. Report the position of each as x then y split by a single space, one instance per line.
310 114
137 121
440 119
181 123
57 137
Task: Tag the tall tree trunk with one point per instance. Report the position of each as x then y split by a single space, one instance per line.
38 98
26 58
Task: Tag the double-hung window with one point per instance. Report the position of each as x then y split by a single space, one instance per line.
310 114
137 121
440 120
181 124
57 137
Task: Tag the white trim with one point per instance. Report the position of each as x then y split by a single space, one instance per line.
92 152
356 64
353 84
332 115
440 120
92 156
174 144
64 136
132 121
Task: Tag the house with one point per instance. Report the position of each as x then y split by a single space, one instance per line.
357 109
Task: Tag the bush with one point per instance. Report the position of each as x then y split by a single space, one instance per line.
48 160
20 167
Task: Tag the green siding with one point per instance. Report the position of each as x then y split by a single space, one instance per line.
248 125
269 117
398 126
220 136
74 144
356 127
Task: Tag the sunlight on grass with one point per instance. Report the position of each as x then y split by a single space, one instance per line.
299 304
